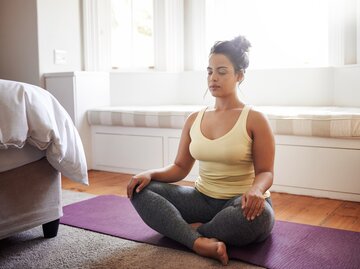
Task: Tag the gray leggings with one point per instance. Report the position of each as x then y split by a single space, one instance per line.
169 208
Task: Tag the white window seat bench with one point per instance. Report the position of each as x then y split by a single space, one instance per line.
317 148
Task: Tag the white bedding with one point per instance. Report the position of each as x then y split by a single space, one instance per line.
30 114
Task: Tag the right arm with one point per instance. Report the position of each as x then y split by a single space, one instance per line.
173 172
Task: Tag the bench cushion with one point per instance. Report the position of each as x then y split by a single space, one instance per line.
142 116
321 121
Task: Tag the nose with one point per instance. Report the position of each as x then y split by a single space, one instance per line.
213 77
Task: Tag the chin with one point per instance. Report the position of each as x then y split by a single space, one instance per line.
215 94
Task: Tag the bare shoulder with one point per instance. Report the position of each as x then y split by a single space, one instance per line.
256 115
190 120
193 116
257 121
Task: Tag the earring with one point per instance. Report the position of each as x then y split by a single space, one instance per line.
205 93
240 81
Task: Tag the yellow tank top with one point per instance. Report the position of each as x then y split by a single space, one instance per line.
225 164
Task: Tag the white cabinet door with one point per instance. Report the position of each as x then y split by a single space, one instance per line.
127 153
327 169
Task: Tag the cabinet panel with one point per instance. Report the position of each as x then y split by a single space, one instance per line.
318 168
128 151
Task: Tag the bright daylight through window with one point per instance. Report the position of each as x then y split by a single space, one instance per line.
132 34
283 33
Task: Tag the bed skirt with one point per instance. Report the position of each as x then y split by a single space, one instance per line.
30 196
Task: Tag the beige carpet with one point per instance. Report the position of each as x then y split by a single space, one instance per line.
76 248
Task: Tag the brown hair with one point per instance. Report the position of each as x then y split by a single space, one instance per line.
236 50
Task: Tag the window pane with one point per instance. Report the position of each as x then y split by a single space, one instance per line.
283 33
132 38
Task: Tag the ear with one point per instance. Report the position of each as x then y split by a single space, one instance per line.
240 76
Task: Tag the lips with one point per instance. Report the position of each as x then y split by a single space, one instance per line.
214 87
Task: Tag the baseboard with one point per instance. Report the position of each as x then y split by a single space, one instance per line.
316 193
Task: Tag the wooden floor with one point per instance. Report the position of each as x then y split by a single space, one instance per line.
295 208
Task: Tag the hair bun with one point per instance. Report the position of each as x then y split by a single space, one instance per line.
236 50
241 43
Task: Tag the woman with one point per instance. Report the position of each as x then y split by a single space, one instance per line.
234 145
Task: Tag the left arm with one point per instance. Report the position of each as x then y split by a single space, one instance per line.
263 151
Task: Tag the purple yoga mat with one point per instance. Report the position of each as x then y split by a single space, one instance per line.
290 245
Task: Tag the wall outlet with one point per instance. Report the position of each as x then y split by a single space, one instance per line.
60 56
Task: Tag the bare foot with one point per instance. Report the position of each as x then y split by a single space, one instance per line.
211 247
195 225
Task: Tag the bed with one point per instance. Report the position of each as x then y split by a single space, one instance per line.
38 143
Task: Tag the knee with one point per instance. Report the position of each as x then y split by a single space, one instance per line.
139 196
267 217
153 187
269 213
266 221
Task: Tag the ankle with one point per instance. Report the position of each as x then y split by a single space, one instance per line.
212 248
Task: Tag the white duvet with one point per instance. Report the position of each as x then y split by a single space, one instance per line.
30 114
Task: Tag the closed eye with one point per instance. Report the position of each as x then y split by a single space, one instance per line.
222 71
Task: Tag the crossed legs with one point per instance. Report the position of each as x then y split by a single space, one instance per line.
169 209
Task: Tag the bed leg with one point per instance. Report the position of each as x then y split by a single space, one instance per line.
50 229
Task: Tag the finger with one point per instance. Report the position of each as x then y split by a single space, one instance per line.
257 209
130 189
243 201
251 208
245 205
249 204
261 208
141 186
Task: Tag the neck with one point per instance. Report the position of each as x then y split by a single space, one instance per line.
227 103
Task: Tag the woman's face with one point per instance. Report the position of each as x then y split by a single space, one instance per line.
222 78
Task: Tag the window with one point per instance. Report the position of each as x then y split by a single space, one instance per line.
132 34
283 33
177 35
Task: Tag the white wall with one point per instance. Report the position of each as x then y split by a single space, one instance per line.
30 30
289 87
151 88
298 86
191 88
19 57
347 86
59 27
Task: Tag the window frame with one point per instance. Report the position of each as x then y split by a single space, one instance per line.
180 39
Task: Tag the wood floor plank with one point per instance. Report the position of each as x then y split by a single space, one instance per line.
346 216
310 210
294 208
